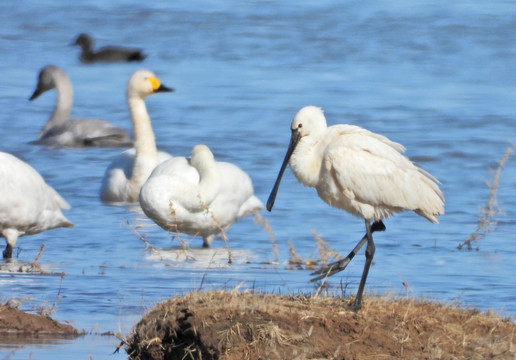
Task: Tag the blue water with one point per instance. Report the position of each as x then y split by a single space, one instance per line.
436 77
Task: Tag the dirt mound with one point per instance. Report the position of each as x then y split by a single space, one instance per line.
14 322
232 325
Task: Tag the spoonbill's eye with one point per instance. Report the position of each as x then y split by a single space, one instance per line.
300 126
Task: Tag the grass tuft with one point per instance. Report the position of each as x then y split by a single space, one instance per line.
234 325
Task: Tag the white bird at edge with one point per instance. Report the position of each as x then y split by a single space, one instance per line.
199 197
29 206
360 172
61 130
127 173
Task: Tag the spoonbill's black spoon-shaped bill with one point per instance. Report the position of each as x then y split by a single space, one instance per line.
360 172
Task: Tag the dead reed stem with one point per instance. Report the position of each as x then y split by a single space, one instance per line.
34 265
294 258
219 227
54 305
325 253
265 224
140 236
486 220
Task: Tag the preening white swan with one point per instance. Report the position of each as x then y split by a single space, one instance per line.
28 205
127 173
106 53
61 130
199 196
360 172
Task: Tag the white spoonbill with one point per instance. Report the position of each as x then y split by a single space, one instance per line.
28 206
127 173
61 130
107 53
360 172
199 196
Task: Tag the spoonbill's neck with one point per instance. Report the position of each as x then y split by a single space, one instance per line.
306 160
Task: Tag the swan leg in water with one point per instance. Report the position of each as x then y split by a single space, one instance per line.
360 172
11 237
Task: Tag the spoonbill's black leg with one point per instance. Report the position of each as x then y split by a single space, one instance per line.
340 265
369 253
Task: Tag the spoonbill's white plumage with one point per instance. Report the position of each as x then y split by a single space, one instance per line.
198 197
106 53
360 172
127 173
28 205
61 130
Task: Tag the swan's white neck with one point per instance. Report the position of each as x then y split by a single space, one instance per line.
209 183
146 158
64 102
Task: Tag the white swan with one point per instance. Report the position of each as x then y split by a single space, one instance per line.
106 53
127 173
198 197
28 206
61 130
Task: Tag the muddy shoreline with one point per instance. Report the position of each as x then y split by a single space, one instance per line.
17 323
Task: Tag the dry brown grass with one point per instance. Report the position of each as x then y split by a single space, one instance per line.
295 261
322 256
244 325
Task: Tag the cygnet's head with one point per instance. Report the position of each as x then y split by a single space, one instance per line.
47 80
201 155
308 121
144 83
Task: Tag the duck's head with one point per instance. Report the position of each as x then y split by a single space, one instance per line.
84 41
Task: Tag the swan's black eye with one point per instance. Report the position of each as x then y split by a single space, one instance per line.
300 126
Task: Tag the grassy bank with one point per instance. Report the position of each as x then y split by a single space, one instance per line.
243 325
